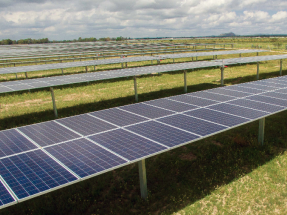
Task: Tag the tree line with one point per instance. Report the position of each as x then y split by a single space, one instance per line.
46 40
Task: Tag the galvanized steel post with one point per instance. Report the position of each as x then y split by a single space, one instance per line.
281 67
143 180
185 85
136 89
261 131
257 71
26 74
222 75
54 102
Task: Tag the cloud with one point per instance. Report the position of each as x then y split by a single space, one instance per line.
71 19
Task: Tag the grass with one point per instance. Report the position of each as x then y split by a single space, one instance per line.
224 174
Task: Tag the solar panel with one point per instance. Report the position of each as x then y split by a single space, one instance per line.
191 124
161 133
217 117
243 89
171 105
257 105
5 196
228 92
258 87
211 96
32 173
127 144
192 100
12 142
85 124
146 110
118 117
275 95
269 100
238 111
84 157
48 133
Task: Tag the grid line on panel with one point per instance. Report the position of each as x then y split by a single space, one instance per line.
191 124
269 100
188 99
48 133
32 173
6 197
84 157
127 144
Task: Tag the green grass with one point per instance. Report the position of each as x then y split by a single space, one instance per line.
225 174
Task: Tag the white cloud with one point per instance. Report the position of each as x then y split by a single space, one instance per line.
71 19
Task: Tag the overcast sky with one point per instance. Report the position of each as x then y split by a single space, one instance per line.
70 19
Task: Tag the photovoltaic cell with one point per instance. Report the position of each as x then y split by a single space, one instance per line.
191 124
269 100
258 87
228 92
217 117
243 89
5 196
32 173
4 89
84 157
270 84
146 110
238 111
212 96
275 95
12 142
281 91
192 100
161 133
85 124
256 105
118 116
171 105
127 144
48 133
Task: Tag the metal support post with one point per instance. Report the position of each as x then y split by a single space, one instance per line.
143 180
196 58
86 69
213 57
257 53
158 61
94 68
136 89
151 62
185 85
281 67
126 64
26 74
122 65
222 75
239 54
173 60
261 131
257 71
16 76
54 102
62 71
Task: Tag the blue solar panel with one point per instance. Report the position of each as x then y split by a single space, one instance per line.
228 92
48 133
256 105
33 172
118 116
146 110
275 95
243 89
212 96
191 124
127 144
193 100
4 89
84 157
171 105
217 117
270 84
269 100
161 133
12 142
85 124
5 196
281 91
258 87
238 111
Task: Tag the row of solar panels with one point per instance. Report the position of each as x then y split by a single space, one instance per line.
8 70
28 84
42 157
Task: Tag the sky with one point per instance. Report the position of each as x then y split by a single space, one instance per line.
71 19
